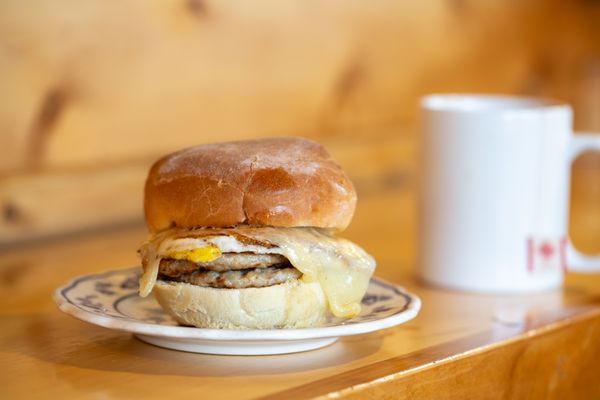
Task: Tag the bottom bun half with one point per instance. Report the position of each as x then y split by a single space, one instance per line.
293 304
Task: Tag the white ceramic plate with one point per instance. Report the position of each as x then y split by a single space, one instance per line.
110 299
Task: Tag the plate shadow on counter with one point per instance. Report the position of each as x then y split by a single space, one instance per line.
63 340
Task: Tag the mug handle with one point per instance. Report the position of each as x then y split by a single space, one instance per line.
577 261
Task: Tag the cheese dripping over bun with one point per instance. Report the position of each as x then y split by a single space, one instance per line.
239 226
341 268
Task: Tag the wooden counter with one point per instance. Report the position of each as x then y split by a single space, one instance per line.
461 345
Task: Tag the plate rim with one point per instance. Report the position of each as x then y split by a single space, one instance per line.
184 332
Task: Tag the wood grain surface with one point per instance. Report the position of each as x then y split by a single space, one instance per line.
43 203
90 88
584 219
461 345
95 82
556 360
95 91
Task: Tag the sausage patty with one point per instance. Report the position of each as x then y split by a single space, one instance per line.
226 262
231 270
238 279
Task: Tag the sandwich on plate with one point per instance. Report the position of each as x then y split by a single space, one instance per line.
244 236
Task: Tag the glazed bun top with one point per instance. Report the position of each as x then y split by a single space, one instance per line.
285 182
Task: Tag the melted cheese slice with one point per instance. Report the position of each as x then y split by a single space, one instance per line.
341 267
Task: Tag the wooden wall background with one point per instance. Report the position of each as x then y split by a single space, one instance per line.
93 91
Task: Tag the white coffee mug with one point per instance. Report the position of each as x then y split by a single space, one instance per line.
494 193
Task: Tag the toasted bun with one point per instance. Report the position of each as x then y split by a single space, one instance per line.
283 182
293 304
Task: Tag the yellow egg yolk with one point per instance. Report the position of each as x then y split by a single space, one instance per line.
197 255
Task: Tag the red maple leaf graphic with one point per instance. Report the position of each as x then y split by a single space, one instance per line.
546 250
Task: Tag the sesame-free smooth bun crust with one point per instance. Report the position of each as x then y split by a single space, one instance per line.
283 182
293 304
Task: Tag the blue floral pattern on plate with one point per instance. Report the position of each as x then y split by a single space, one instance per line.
111 300
114 294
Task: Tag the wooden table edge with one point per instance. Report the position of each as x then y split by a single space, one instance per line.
381 376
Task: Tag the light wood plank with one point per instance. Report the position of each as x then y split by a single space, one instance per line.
44 203
555 360
45 353
98 82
